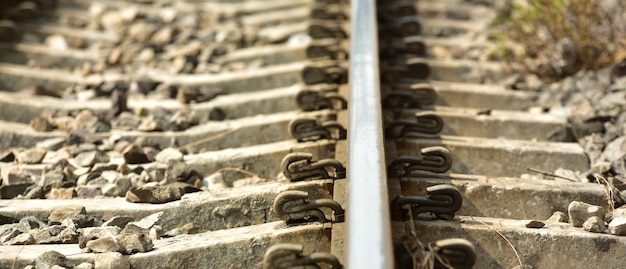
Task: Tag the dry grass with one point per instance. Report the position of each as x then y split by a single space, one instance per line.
561 37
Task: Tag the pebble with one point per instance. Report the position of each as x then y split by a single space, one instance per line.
558 216
84 265
118 221
52 143
579 212
87 158
13 175
134 243
22 239
103 244
111 260
40 124
49 259
88 191
98 232
7 156
134 155
70 212
155 194
619 212
143 225
618 226
594 225
169 154
62 193
28 223
535 224
31 156
188 228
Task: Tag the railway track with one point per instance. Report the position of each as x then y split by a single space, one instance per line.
226 135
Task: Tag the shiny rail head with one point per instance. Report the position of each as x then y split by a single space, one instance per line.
443 201
296 206
287 255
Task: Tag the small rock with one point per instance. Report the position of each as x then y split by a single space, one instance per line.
28 223
87 158
22 239
68 236
143 226
6 236
134 155
62 193
525 266
103 244
7 156
134 243
214 182
13 175
49 259
99 232
51 143
112 190
188 228
169 154
155 232
594 225
88 191
86 120
217 114
53 179
118 221
70 212
152 123
558 216
618 226
535 224
177 171
579 212
31 156
619 212
111 260
84 265
40 124
155 194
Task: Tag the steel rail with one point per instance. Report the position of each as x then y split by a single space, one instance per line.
368 220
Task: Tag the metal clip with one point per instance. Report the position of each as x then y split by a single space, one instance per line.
8 30
310 100
293 206
409 70
326 30
434 159
328 12
299 166
286 255
442 200
409 99
427 122
457 253
333 74
309 129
